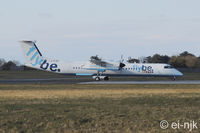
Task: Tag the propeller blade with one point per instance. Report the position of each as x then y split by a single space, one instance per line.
121 65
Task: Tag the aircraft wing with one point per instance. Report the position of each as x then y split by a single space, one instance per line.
103 69
105 65
98 61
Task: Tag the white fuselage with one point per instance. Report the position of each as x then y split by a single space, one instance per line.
90 69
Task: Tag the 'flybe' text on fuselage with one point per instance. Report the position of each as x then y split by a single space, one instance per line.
143 68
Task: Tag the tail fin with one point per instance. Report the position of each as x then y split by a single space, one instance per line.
32 54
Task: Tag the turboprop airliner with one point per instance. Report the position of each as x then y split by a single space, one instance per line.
96 68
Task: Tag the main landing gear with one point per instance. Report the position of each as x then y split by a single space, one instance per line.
98 78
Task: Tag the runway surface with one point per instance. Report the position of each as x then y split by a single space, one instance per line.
43 81
89 81
143 82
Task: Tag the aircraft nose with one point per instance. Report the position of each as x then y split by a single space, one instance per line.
178 73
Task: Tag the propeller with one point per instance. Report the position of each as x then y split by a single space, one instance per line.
121 64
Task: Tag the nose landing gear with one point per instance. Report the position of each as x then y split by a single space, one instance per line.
174 78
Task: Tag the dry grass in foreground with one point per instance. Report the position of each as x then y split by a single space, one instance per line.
96 108
103 93
93 91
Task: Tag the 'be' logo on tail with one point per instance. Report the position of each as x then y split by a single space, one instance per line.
40 61
53 67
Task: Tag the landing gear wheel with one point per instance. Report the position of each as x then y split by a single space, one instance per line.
97 79
106 78
174 78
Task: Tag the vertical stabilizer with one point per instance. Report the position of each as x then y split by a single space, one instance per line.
32 54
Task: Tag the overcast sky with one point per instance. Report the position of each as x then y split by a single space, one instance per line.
76 29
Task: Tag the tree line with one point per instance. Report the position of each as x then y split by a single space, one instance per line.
183 60
12 65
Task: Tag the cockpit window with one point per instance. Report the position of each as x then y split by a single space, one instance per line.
168 67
